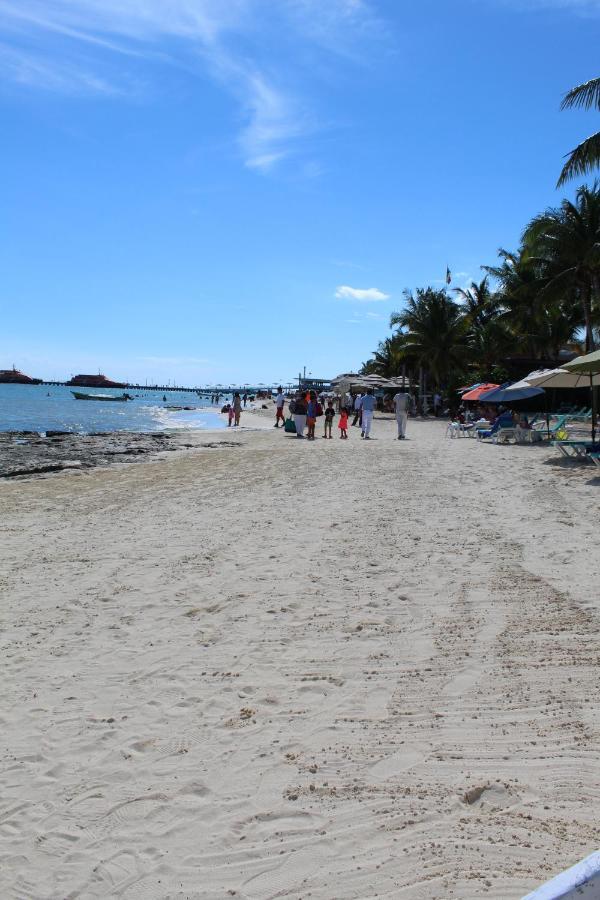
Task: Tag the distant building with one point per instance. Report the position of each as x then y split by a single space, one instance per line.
13 376
100 381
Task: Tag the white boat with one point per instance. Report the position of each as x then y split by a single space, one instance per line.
80 395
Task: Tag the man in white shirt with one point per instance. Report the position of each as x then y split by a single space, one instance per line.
368 408
401 404
279 404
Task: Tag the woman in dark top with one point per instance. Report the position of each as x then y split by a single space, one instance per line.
300 415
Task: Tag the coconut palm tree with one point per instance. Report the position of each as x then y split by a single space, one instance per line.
489 336
564 243
386 360
520 282
434 332
586 156
480 302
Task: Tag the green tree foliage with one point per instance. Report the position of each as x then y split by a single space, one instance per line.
565 246
433 333
534 302
586 156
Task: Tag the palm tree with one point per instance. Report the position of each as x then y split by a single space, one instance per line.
520 282
565 243
585 157
386 361
433 332
481 304
489 337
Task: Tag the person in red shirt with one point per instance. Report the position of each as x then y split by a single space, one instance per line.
343 423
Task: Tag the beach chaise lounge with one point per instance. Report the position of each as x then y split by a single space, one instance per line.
582 415
502 422
574 449
594 455
555 427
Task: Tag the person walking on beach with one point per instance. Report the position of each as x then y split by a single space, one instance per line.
300 415
279 404
328 420
368 408
401 407
237 408
311 415
245 398
358 409
343 423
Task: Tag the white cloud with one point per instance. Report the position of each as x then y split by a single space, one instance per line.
362 295
67 45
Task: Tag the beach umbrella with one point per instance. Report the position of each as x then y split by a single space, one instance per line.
510 393
476 393
588 365
561 378
570 378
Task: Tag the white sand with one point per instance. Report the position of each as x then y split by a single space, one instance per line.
274 670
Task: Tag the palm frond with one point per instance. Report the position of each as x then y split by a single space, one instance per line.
582 160
583 95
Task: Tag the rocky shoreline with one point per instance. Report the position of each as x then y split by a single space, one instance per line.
27 453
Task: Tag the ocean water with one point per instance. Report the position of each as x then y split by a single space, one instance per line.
28 407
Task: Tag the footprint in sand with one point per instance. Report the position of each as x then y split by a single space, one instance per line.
404 759
289 872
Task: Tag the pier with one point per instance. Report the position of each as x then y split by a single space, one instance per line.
215 389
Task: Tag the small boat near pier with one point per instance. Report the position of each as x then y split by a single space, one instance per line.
81 395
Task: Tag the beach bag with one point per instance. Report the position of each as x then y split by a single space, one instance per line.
290 426
319 409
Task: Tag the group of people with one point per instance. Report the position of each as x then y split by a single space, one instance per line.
233 410
306 407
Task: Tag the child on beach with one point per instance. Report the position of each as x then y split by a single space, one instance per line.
230 415
329 414
343 423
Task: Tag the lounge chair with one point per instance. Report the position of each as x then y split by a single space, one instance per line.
576 449
584 415
502 422
555 428
594 455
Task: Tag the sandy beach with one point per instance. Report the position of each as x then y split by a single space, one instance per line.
283 669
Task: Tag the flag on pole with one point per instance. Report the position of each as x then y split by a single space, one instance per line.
448 276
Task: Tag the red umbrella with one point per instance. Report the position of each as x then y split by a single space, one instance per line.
478 391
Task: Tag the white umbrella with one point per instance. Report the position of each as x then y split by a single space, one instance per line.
560 378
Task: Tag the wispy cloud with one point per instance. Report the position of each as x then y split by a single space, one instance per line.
173 360
73 46
346 264
361 295
582 7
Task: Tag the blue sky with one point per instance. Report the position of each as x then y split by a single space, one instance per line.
216 190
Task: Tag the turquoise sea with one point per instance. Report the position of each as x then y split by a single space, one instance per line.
28 407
